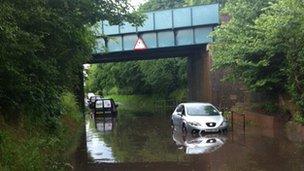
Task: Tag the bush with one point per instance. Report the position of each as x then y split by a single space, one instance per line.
37 146
70 106
270 107
179 94
298 118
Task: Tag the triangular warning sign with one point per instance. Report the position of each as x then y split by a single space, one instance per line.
140 44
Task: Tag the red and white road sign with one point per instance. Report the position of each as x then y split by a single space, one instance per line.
140 44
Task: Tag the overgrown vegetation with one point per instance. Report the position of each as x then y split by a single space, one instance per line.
43 46
262 46
142 105
161 77
152 5
298 118
269 108
135 104
31 145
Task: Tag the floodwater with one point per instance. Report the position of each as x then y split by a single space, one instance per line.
149 143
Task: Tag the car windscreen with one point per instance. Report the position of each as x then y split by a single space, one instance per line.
98 104
201 110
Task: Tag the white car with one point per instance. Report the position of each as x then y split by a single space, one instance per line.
198 118
90 95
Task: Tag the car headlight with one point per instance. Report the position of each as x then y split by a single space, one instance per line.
224 123
194 123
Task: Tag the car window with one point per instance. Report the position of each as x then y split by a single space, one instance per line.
93 99
107 103
99 104
201 110
180 108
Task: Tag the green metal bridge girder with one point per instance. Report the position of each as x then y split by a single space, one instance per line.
188 26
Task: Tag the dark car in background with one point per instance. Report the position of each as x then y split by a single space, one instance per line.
105 107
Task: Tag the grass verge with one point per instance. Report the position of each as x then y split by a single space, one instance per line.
32 145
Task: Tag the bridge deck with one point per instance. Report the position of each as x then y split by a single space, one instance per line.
165 29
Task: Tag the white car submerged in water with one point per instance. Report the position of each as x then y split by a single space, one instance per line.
198 118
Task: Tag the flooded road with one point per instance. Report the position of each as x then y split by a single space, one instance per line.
149 143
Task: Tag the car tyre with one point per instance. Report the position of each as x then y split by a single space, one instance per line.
172 125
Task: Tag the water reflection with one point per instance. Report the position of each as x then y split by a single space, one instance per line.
104 124
143 143
198 144
98 150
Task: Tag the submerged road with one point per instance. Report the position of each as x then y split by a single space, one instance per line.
149 143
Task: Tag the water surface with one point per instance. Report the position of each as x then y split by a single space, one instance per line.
149 143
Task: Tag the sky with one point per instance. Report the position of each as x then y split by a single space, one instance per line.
136 3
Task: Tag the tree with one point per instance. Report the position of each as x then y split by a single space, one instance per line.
280 29
201 2
43 46
262 45
164 76
235 48
153 5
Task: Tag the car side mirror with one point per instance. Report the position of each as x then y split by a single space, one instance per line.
221 113
179 113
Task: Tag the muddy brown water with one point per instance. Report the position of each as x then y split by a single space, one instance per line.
149 143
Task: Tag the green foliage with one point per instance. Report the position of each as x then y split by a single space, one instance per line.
179 94
262 45
142 77
153 5
39 145
281 29
235 48
270 107
227 113
267 107
70 107
298 118
201 2
43 46
136 104
30 147
124 76
165 75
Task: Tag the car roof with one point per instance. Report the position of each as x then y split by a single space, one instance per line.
196 103
105 99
